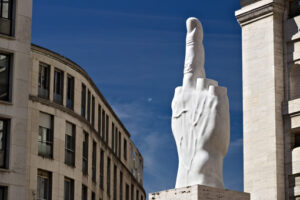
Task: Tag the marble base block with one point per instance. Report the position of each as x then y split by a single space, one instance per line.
199 192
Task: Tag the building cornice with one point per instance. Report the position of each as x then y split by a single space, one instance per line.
77 68
258 11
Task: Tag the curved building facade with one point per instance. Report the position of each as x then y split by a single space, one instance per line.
59 137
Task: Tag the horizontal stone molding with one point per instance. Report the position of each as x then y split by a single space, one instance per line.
259 12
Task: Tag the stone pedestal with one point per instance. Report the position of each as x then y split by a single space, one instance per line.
199 192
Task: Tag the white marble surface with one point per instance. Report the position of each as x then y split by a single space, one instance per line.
200 118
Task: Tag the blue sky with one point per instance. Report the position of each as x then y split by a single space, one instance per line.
134 52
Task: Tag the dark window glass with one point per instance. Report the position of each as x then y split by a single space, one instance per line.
103 124
113 136
93 196
99 120
3 143
115 183
70 144
88 117
132 192
83 100
116 141
101 169
6 17
142 198
297 140
108 177
85 153
125 149
119 147
70 92
294 8
44 185
58 86
45 139
3 193
121 185
69 189
137 194
4 77
127 192
94 161
93 111
44 79
106 129
84 193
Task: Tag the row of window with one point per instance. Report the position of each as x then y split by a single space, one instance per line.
88 106
58 84
44 188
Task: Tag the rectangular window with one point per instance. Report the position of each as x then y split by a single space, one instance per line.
69 189
137 194
94 161
103 124
142 198
132 192
3 192
3 143
44 79
127 192
83 100
70 92
6 8
294 8
5 77
125 149
106 130
44 185
99 120
297 140
101 169
45 139
93 196
88 117
58 86
113 136
85 153
84 193
108 177
121 185
115 183
119 143
70 144
116 141
93 111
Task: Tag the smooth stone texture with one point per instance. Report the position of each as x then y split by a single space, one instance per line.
199 192
200 118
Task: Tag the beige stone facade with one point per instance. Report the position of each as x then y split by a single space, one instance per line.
96 158
270 51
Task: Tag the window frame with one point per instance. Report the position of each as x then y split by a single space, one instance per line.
83 100
85 158
94 161
40 173
6 149
69 150
9 76
108 176
10 19
5 191
101 174
71 182
42 90
59 101
70 93
51 133
93 112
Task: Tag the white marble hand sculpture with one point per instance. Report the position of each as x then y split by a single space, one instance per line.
200 118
